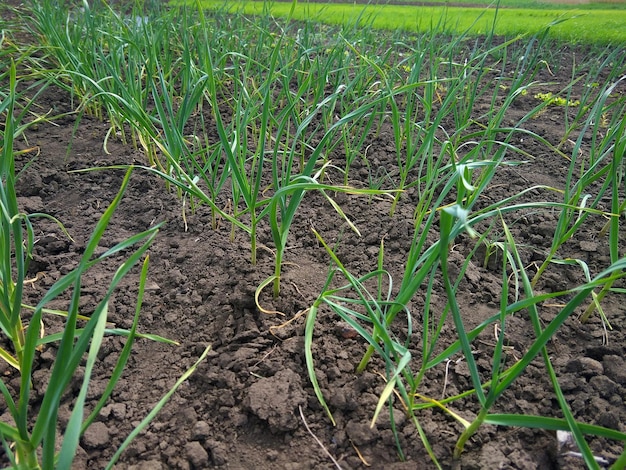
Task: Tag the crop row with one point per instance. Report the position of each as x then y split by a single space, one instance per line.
248 114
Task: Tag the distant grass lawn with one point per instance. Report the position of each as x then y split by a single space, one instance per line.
585 23
535 4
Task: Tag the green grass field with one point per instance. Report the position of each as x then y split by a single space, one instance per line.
586 23
536 4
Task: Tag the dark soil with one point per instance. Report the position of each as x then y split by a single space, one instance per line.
241 409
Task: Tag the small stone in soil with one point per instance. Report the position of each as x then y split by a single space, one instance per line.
196 455
588 246
275 400
586 366
605 387
96 435
200 431
615 368
360 433
219 452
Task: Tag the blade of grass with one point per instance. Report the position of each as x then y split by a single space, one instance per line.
162 402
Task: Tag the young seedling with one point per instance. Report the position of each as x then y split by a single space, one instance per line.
32 439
